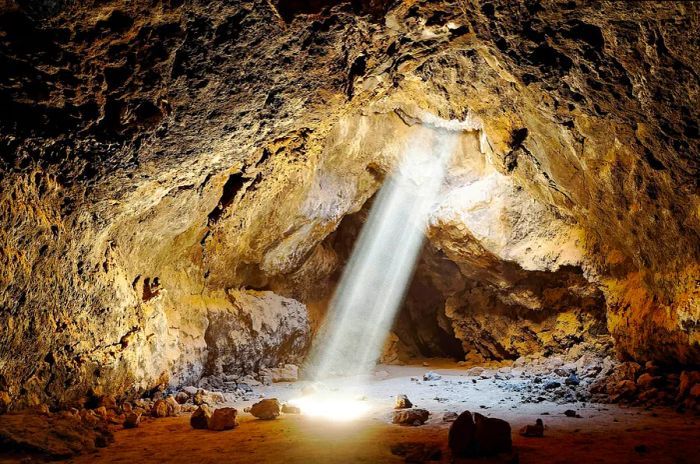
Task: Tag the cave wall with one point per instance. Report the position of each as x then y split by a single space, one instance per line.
156 157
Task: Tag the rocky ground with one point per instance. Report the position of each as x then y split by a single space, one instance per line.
571 397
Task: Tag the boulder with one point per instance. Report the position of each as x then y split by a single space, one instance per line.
414 416
695 391
173 406
182 397
402 402
266 409
223 419
160 409
476 435
686 380
108 402
536 430
493 436
449 416
646 381
290 409
200 418
132 420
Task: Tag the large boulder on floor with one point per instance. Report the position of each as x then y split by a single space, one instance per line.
223 419
200 418
493 436
414 416
266 409
476 435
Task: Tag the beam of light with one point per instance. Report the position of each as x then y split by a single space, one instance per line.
375 280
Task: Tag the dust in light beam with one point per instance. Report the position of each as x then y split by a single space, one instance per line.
373 283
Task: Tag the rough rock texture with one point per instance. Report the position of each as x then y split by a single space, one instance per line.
476 435
167 171
223 419
266 409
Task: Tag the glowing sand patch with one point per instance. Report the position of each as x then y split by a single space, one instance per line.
335 407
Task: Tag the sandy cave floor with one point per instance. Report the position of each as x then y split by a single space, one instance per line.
604 433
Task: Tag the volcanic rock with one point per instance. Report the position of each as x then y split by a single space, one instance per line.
132 420
222 419
414 416
266 409
476 435
290 409
402 402
200 418
160 409
536 430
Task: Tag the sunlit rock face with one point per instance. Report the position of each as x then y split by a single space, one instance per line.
162 166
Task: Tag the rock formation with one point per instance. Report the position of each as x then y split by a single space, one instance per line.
180 184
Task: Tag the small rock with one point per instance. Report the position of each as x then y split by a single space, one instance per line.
182 397
223 419
190 390
173 406
646 381
101 412
108 402
695 391
431 376
624 388
290 409
552 385
449 416
572 380
160 409
198 397
570 413
200 418
132 420
536 430
266 409
414 416
402 402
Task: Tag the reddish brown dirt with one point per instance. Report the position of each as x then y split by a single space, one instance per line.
603 434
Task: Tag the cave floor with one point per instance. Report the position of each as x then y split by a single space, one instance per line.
603 433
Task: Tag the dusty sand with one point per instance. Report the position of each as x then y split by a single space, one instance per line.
604 433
